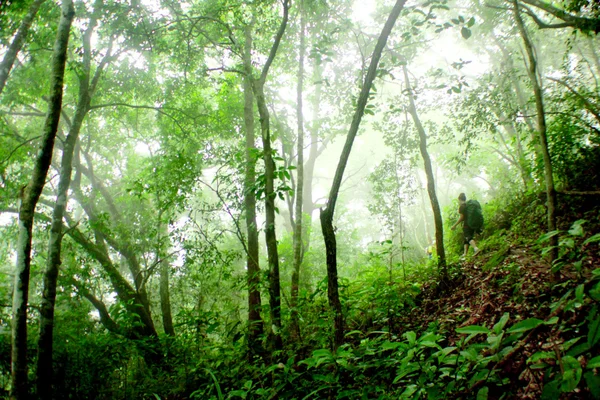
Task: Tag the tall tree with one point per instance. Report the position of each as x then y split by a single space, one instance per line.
86 89
258 87
298 240
328 213
435 205
255 322
532 71
29 198
17 42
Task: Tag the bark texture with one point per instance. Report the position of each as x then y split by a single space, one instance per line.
270 235
255 322
45 348
298 245
30 197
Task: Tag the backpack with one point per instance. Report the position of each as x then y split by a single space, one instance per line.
474 215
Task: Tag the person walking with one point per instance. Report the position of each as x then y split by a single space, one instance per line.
472 219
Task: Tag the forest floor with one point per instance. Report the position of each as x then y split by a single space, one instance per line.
518 282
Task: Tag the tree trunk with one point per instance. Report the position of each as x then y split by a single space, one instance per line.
298 245
541 129
163 259
435 205
165 298
17 43
30 197
270 235
328 212
45 348
255 322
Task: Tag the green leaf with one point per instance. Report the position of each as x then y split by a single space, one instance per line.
471 22
546 236
541 355
482 394
572 374
500 324
594 362
410 390
576 228
473 329
387 345
592 239
593 383
525 325
465 32
240 393
551 391
411 337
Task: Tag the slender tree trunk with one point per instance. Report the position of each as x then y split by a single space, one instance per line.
298 245
541 129
270 235
328 212
30 197
255 322
44 362
165 295
165 298
17 43
435 205
45 348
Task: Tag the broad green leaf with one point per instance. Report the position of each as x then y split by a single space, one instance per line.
595 292
410 390
387 345
551 391
594 362
576 228
572 374
593 383
482 394
473 329
525 325
471 22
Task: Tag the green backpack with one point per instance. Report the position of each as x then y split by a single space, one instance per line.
474 215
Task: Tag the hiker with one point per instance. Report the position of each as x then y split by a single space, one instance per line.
472 219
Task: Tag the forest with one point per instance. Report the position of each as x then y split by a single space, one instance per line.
273 199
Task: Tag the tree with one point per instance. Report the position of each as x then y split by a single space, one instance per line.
18 41
87 85
582 23
328 213
255 322
435 206
532 72
258 87
29 198
298 238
